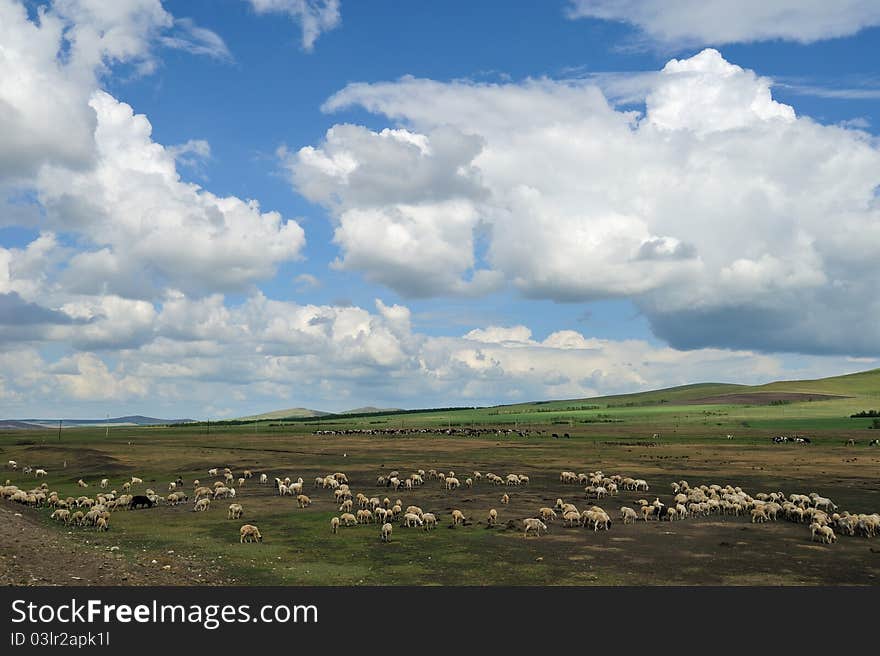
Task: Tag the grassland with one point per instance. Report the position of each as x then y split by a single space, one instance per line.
611 433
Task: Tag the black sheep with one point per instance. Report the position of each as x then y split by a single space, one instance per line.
140 501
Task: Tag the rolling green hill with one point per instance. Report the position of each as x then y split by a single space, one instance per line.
284 414
798 405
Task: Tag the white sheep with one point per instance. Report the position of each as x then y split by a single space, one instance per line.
627 514
411 520
386 532
547 514
457 517
334 525
250 533
493 517
825 533
430 521
61 515
202 505
235 511
533 524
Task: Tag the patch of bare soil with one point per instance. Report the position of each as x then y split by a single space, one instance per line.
33 554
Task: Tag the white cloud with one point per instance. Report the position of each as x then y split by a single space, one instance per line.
697 209
266 353
705 93
134 203
717 22
188 36
88 167
404 205
314 16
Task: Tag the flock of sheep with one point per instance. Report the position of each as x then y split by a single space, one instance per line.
821 514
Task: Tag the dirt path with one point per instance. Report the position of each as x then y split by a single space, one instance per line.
33 554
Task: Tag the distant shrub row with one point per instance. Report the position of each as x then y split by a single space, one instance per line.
865 414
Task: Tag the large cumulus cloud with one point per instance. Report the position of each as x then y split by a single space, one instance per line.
728 218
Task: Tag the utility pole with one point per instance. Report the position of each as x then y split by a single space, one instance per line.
59 429
107 432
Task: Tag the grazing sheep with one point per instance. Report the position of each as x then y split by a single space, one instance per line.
430 521
102 524
493 517
627 514
825 533
505 499
411 520
457 517
647 511
533 524
599 518
264 479
61 515
572 517
346 506
348 519
303 501
365 515
212 472
386 532
235 511
140 501
250 533
547 514
223 492
39 473
105 483
334 525
81 483
136 481
758 515
202 505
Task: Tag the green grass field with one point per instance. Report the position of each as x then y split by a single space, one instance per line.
611 433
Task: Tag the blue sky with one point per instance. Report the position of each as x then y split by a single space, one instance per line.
475 203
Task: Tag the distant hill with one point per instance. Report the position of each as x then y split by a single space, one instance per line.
285 414
130 420
368 410
12 423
